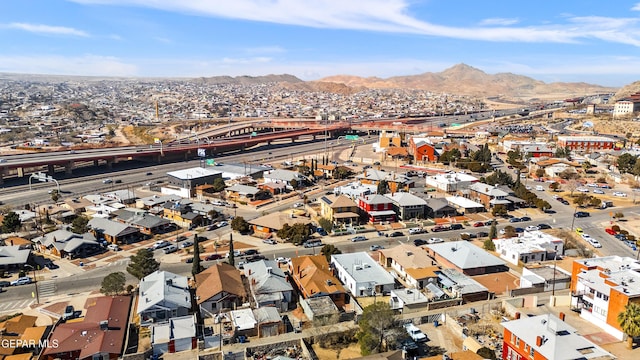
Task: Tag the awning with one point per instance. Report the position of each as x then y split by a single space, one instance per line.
345 215
445 281
499 202
436 291
382 213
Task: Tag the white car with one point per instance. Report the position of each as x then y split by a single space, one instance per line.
113 247
413 231
586 236
298 205
584 190
598 191
435 240
619 194
595 243
282 260
532 228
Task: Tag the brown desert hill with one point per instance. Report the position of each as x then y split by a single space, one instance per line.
322 86
627 90
467 80
250 80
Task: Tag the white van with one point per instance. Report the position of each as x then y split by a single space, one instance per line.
539 188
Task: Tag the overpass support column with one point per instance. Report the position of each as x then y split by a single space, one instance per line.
313 136
68 168
109 164
2 170
50 169
95 162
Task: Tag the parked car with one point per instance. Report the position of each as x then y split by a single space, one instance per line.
579 231
482 234
419 242
376 247
395 234
107 181
69 313
532 228
222 224
610 231
189 260
544 226
21 281
113 247
358 238
621 237
251 252
478 224
439 228
595 243
312 243
519 230
4 284
581 189
160 244
619 194
170 249
598 191
416 230
186 244
456 227
269 241
514 220
525 218
282 260
211 257
435 240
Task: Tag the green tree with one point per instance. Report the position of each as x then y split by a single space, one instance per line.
509 231
594 201
499 177
499 210
297 234
493 230
629 321
626 162
383 187
378 328
196 267
55 195
294 183
11 222
342 172
540 172
218 184
80 225
581 199
113 284
232 255
240 225
486 353
142 264
554 186
325 224
329 250
213 214
489 245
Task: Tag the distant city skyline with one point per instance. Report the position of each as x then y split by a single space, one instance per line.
570 41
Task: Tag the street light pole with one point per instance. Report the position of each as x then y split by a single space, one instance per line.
574 218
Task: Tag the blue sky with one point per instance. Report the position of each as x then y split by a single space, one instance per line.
569 40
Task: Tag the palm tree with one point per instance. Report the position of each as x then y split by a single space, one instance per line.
629 321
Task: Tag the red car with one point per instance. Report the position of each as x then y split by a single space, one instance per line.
610 231
478 224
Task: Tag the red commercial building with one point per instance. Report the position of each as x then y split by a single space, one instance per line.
586 143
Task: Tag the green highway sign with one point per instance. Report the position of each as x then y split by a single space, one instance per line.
351 137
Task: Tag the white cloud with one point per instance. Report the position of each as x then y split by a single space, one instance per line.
88 65
46 29
265 50
388 16
636 7
498 21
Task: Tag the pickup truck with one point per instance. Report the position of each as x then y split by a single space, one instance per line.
416 334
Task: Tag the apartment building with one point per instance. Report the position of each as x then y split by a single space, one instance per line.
547 337
602 287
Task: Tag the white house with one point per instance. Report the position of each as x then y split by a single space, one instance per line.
163 295
362 275
529 246
451 181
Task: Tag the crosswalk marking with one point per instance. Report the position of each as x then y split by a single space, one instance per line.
15 305
46 288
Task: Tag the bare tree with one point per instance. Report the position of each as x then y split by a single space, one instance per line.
571 186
